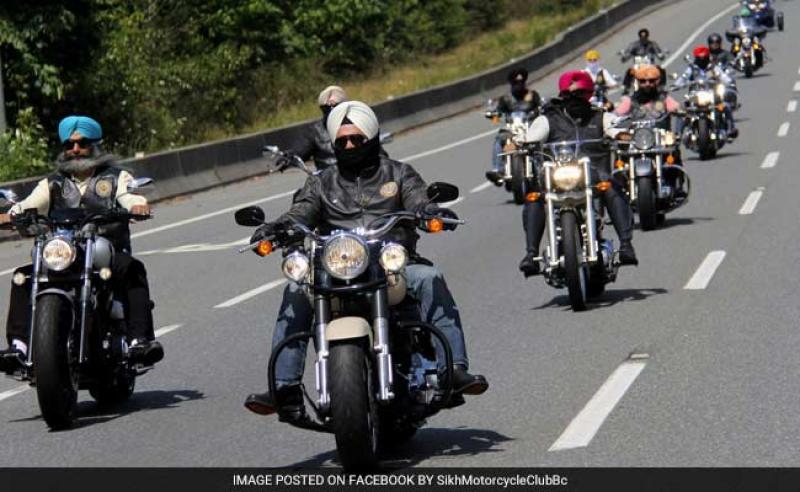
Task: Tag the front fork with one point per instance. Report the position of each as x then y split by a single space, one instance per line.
86 292
380 315
322 308
37 266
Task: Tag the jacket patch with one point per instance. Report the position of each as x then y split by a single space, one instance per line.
389 189
103 188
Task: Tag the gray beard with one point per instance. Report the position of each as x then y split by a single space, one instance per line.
82 165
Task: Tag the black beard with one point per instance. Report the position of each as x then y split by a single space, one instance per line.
353 161
646 96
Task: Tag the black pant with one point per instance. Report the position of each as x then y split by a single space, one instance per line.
129 282
533 218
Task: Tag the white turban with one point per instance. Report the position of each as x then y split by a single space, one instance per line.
358 113
332 95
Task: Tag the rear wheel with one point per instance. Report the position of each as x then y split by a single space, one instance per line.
705 146
748 69
574 270
55 361
647 203
518 181
354 411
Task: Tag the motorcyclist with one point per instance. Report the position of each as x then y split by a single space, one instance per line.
316 143
361 187
702 65
758 32
561 120
522 99
86 177
602 78
642 47
719 56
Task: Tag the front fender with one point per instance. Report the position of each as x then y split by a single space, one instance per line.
347 328
643 167
63 293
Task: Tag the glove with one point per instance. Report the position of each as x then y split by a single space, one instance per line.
432 210
265 231
283 163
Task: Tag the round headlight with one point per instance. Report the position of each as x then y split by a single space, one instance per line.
295 266
704 98
644 139
58 254
568 177
669 139
393 257
345 257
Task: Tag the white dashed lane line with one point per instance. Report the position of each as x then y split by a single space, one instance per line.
163 331
480 187
770 160
792 106
19 389
784 129
702 277
250 293
752 201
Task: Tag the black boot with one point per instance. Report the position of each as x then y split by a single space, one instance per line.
468 384
732 134
627 255
291 399
146 352
494 177
528 266
11 359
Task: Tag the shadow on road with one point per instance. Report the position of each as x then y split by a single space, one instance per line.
90 412
608 299
675 221
425 445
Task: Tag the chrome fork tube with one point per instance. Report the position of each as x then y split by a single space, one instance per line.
86 292
551 219
591 233
380 313
632 173
322 310
37 266
659 158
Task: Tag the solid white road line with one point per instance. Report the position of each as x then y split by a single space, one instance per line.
797 86
19 389
163 331
480 187
452 203
585 425
770 160
705 272
700 30
751 202
6 272
250 293
447 147
792 106
209 215
784 129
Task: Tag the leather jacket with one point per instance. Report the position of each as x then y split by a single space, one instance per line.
335 200
638 48
316 143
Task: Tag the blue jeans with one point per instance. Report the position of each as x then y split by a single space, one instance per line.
425 285
497 160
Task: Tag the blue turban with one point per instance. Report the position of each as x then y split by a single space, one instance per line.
86 126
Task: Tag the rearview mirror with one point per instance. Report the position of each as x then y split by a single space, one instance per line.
8 195
688 58
270 149
440 192
139 183
250 216
385 138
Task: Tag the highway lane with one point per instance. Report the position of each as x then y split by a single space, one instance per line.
710 391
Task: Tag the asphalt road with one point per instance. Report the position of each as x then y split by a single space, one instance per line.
654 374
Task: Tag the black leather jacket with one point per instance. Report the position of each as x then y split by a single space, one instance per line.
638 48
336 201
530 103
316 143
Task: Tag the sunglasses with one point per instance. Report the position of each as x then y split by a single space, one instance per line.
648 81
357 140
592 60
83 143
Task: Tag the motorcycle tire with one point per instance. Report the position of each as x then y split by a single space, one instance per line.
354 411
780 21
748 70
519 184
647 205
114 389
705 146
575 271
55 362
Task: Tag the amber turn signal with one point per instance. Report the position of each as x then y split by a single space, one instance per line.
495 119
435 225
604 186
619 164
670 159
532 196
264 248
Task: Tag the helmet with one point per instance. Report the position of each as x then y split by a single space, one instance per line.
648 72
576 80
715 38
592 55
701 52
745 12
644 31
518 75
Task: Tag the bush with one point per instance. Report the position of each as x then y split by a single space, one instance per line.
23 151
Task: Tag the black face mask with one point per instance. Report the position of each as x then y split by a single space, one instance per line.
577 107
326 111
518 90
358 158
701 62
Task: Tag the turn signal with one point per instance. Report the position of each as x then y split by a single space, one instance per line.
509 147
264 248
670 160
721 107
532 196
604 186
619 164
495 119
435 225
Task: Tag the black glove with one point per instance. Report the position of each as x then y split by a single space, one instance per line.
266 231
283 163
432 210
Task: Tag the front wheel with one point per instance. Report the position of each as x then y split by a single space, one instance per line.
780 21
518 181
55 361
574 269
354 411
705 146
647 203
748 69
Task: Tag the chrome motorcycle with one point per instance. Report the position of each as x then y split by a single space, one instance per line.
77 338
519 167
377 369
747 45
705 122
576 255
648 164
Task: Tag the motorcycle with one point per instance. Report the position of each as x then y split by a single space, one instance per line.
705 123
576 255
647 164
764 14
746 45
600 96
77 337
518 170
377 376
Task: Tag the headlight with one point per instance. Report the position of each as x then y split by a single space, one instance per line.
295 266
644 139
721 91
668 139
567 177
393 257
345 257
704 98
58 254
